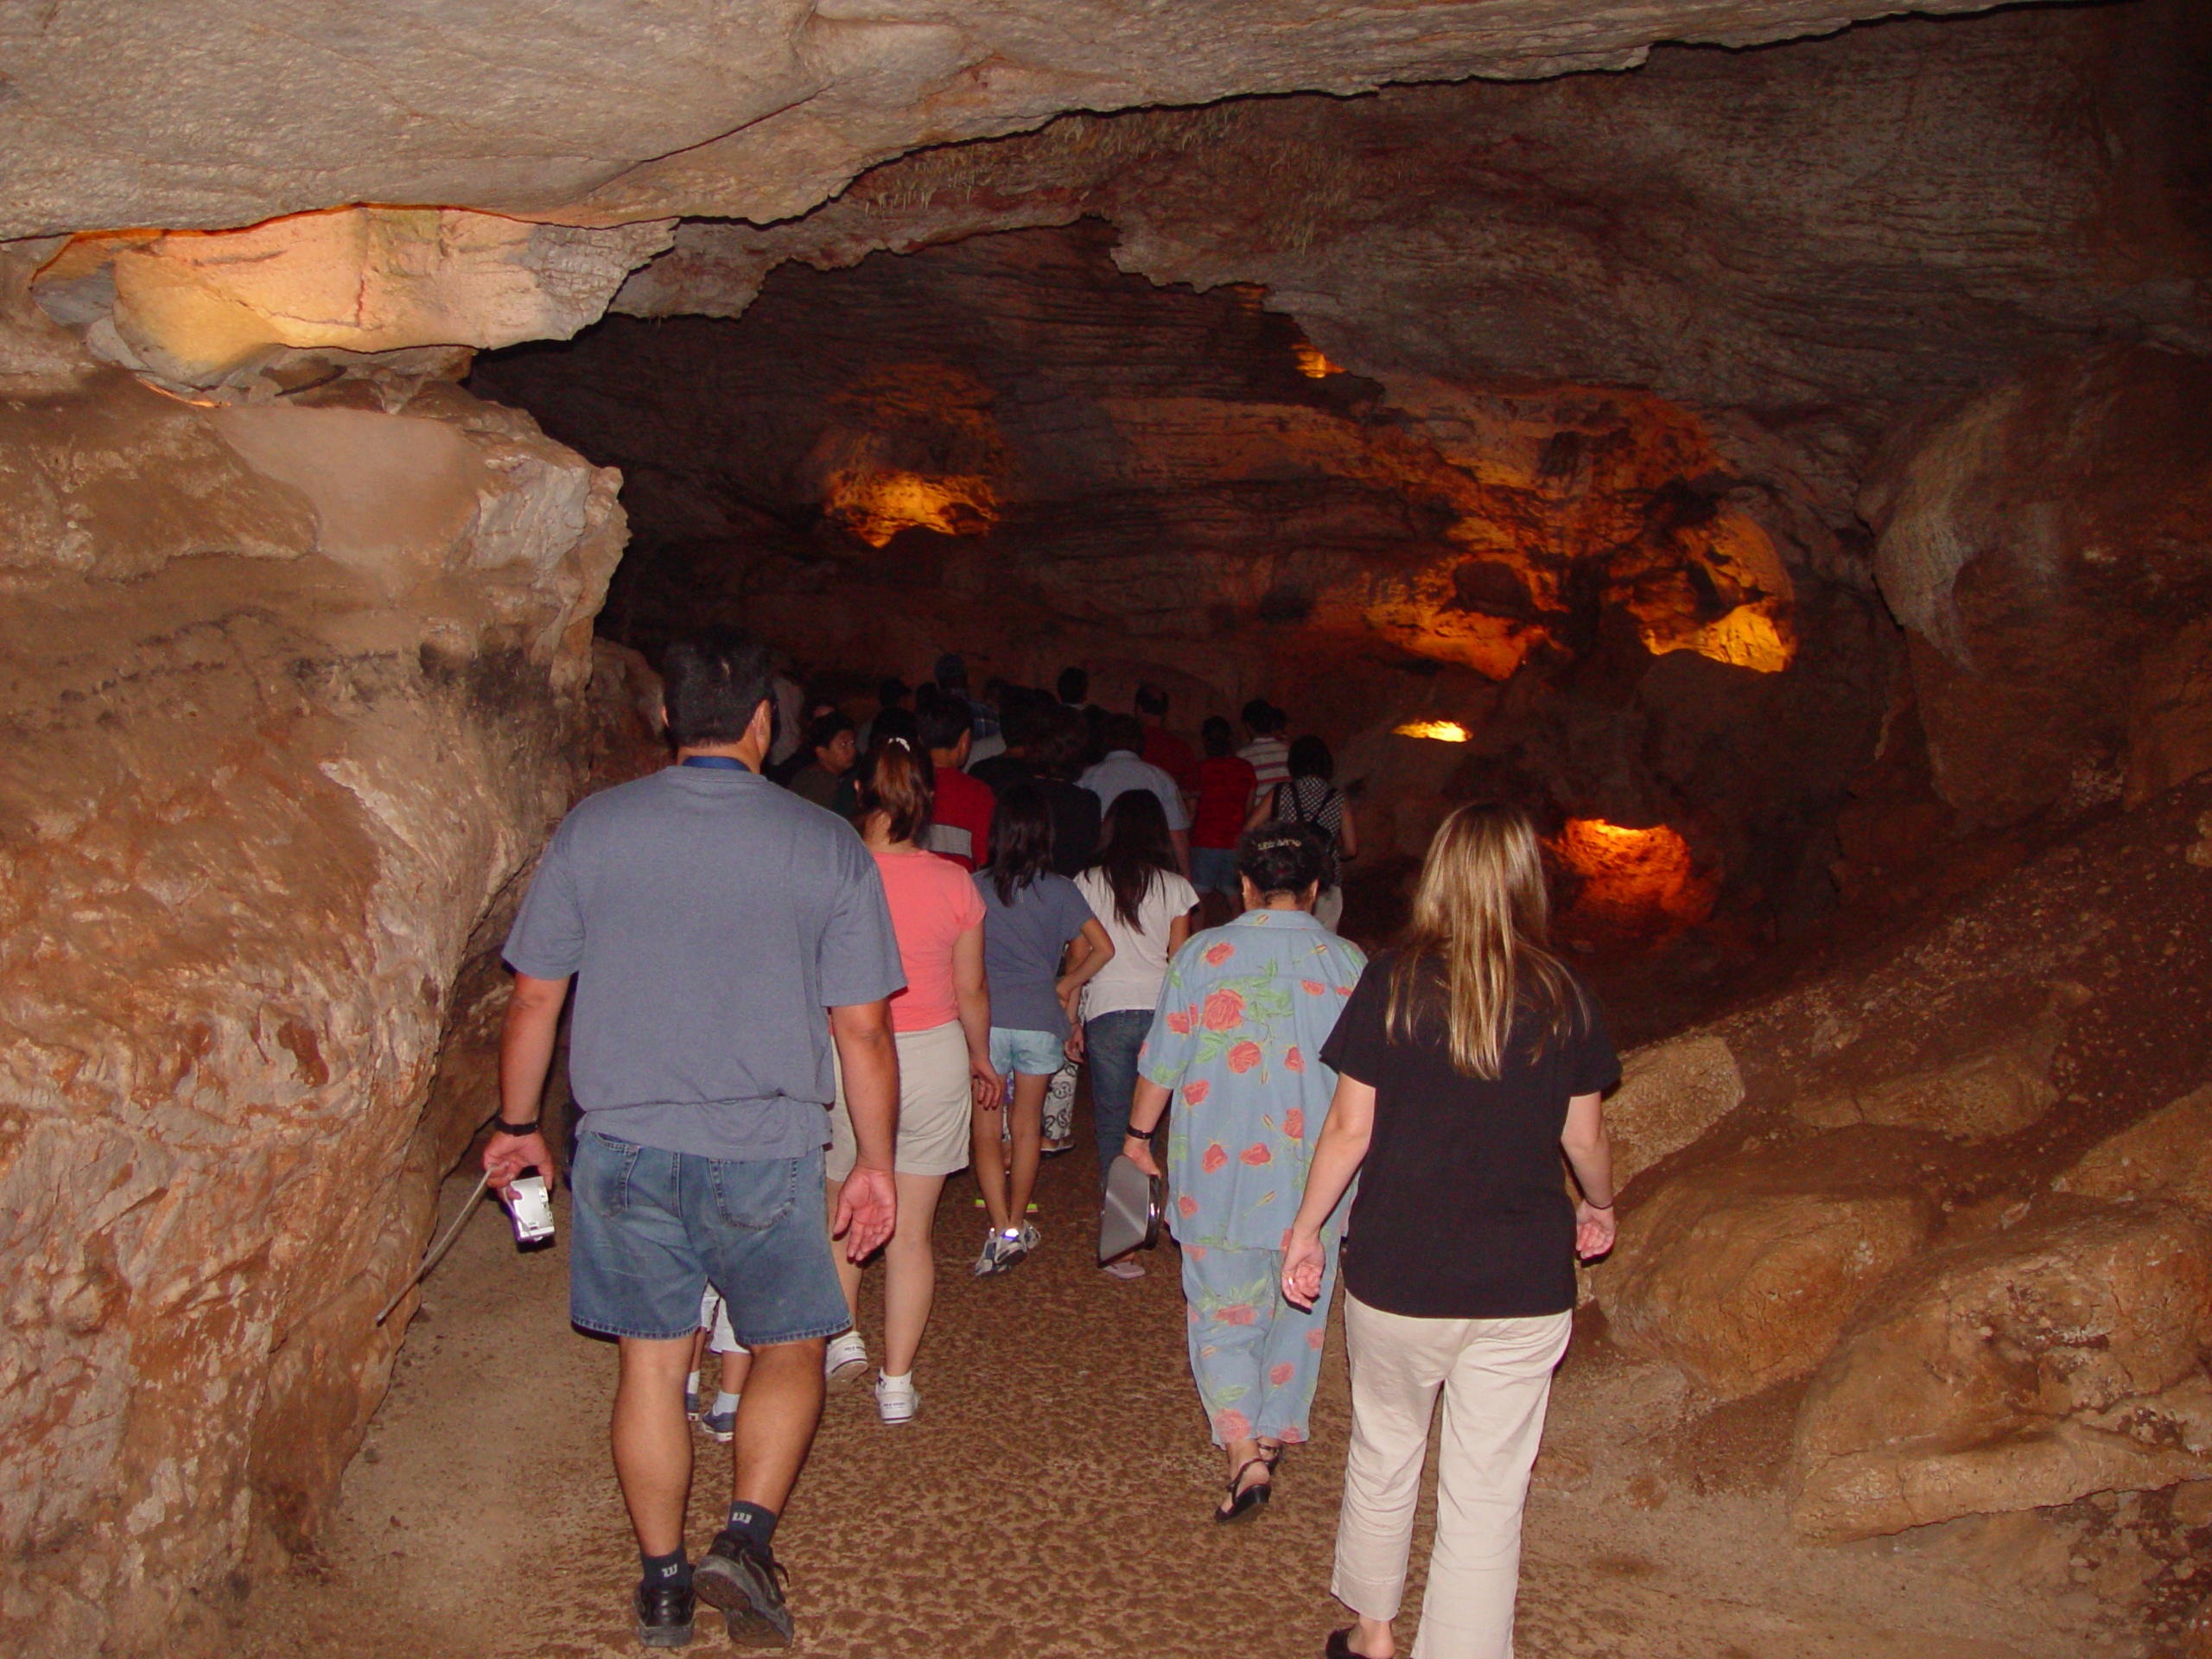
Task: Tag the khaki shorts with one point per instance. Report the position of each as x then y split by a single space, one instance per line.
933 1106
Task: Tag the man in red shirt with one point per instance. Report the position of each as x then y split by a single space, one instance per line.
1162 748
1225 786
961 829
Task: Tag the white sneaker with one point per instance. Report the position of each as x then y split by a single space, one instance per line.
896 1402
845 1358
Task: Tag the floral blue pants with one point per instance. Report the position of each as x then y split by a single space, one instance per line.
1256 1358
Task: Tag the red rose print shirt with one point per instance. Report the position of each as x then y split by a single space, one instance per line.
1237 1034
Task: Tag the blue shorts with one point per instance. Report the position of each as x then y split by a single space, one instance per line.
1213 869
1030 1053
654 1228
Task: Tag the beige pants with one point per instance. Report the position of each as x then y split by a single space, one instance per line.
1496 1376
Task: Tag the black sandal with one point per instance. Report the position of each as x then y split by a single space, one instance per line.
1249 1502
1272 1455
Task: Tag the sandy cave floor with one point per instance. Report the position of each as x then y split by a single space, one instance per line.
1052 1500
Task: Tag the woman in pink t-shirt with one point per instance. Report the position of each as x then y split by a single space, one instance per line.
942 1026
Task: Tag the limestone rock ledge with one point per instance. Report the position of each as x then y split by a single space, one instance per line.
289 693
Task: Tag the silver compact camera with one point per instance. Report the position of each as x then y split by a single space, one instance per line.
531 1208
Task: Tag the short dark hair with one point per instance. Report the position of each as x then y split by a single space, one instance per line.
941 720
892 690
714 682
824 729
951 671
1058 745
1151 700
1284 856
1263 716
1073 686
1310 758
1024 716
892 722
1216 737
1123 732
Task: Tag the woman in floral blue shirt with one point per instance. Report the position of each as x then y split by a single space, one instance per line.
1238 1031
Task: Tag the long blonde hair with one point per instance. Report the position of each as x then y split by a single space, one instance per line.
1480 935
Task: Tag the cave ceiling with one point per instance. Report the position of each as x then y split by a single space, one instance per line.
210 113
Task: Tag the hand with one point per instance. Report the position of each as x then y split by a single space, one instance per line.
1138 1151
506 1156
1073 1046
989 1088
1302 1262
867 1209
1593 1231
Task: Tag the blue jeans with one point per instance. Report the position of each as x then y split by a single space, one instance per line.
654 1228
1110 1044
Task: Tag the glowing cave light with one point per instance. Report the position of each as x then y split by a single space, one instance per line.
1635 878
878 506
1313 365
1439 731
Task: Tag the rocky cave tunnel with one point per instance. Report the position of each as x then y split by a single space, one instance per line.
1779 444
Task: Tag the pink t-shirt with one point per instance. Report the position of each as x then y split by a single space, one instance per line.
934 901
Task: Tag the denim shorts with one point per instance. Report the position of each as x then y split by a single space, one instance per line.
1213 869
1030 1053
653 1229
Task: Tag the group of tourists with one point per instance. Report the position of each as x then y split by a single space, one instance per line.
741 960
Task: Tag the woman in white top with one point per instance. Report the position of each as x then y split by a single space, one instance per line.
1136 890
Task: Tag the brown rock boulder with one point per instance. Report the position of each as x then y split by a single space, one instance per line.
1745 1272
2015 1372
2166 1155
1671 1093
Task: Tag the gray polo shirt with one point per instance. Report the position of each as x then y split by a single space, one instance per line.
710 918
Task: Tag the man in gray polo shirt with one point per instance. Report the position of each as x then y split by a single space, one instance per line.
708 918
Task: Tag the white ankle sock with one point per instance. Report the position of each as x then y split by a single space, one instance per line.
725 1402
904 1380
691 1385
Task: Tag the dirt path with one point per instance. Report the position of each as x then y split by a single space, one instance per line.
1051 1500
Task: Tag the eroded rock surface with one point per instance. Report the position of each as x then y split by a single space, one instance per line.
289 695
2021 1369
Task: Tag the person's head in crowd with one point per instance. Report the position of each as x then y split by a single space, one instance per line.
892 692
1123 732
1152 703
1478 949
1310 758
893 722
1024 718
829 739
1074 685
1061 744
1217 738
946 726
1021 840
713 687
898 783
1263 719
1135 849
995 692
1284 860
951 671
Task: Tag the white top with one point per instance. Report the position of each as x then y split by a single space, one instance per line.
1133 978
1270 759
1121 770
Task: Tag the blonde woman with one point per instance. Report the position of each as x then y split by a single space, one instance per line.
1466 1061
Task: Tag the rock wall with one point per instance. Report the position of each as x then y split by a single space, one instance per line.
289 692
1952 1204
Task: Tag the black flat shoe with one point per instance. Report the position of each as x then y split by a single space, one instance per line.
1340 1645
664 1614
1243 1505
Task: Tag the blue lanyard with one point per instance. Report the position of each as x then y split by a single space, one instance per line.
719 762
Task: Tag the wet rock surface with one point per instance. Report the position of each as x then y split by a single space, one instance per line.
288 708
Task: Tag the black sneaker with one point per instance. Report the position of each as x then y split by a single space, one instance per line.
745 1581
664 1614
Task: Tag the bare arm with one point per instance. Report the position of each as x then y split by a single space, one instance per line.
1088 952
1590 1151
868 1204
973 994
1146 1107
525 1055
1182 840
1179 933
1347 834
1337 1156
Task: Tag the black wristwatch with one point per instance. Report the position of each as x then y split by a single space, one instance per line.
529 1128
1137 1135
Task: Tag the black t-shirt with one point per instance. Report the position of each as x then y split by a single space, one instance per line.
1074 810
1462 1211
